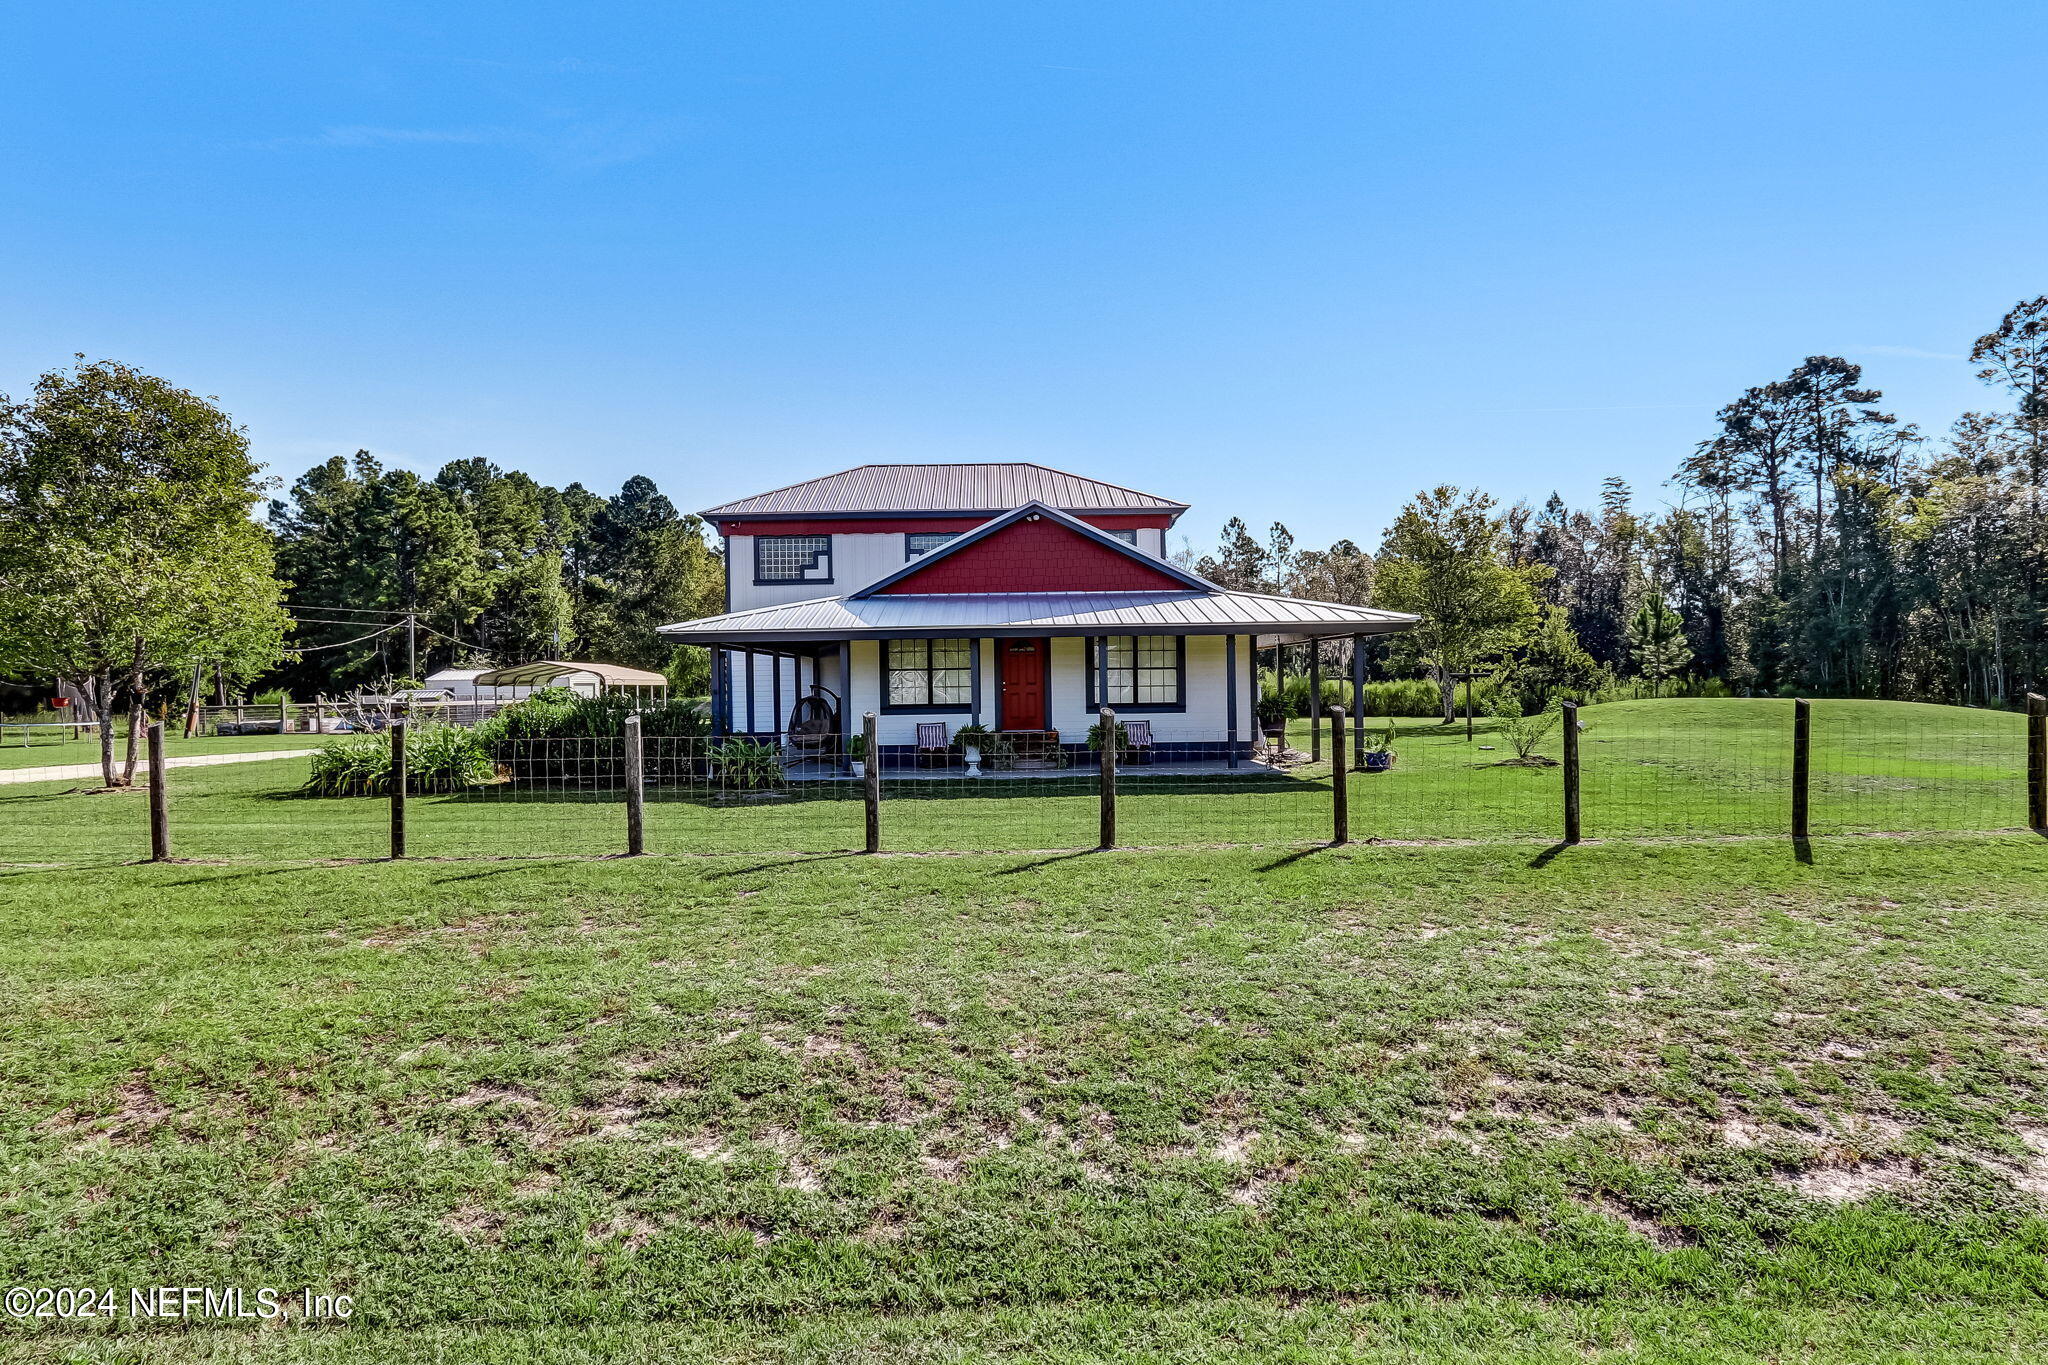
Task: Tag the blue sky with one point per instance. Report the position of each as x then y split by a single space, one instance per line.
1292 261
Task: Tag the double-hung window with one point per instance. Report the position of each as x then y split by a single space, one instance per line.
930 673
792 559
1138 671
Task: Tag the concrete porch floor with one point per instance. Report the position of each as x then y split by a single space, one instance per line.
814 770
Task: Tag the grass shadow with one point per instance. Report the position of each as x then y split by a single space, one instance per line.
1049 860
795 860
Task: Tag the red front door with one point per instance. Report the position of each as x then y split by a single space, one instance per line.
1024 673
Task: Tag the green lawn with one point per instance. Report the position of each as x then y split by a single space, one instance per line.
1633 1102
1651 768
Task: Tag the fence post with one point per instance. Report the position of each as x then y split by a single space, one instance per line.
2037 761
1340 781
398 783
1571 772
871 784
159 797
284 715
1106 718
636 791
1802 752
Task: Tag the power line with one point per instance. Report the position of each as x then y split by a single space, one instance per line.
314 649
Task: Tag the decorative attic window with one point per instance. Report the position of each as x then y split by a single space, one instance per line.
792 559
917 543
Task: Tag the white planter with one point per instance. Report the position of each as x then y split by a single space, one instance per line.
860 769
972 753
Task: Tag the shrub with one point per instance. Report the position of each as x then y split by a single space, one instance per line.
438 758
535 739
746 765
1525 732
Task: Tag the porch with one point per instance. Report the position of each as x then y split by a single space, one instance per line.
830 769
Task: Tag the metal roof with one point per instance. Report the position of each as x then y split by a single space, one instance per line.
879 489
1040 613
547 670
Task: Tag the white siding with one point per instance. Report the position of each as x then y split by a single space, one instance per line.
856 562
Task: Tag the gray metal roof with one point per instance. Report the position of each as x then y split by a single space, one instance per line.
547 670
885 488
1040 613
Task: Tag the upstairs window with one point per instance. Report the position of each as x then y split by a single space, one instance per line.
1144 672
917 543
792 559
1127 537
930 674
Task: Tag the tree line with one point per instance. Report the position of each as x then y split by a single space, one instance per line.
1813 543
492 566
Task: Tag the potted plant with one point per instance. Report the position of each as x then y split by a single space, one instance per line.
857 754
1272 714
971 741
1122 740
1379 749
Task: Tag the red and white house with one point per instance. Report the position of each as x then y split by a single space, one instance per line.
1011 596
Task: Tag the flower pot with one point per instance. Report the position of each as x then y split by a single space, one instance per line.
1378 760
972 753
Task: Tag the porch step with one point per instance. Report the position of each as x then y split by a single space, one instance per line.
1034 750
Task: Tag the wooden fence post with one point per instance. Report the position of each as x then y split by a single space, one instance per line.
871 784
398 782
1106 718
2037 761
1340 781
1571 772
159 797
1802 753
636 791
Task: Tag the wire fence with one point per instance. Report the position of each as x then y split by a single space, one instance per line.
1636 771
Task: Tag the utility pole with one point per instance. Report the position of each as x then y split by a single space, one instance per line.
412 646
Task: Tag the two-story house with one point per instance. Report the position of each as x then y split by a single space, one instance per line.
1007 595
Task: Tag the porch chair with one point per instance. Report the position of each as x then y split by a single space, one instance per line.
933 739
1138 740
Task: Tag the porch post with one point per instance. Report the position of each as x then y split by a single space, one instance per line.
1315 701
1280 689
1358 701
719 683
974 679
750 692
1230 697
1102 671
775 695
846 702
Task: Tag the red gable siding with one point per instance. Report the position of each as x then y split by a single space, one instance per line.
1037 556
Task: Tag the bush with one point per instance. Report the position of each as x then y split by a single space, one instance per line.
438 758
533 739
746 765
